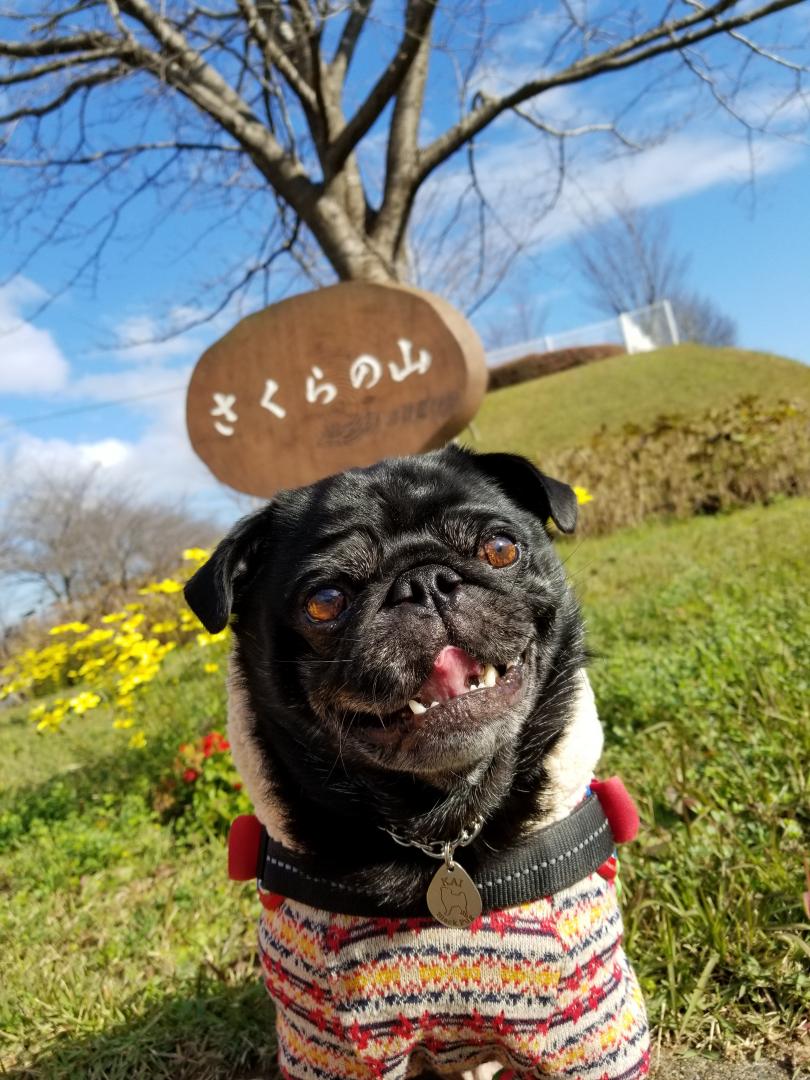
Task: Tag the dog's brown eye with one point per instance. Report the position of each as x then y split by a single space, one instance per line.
499 551
325 604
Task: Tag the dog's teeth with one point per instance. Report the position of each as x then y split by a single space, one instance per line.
417 706
433 705
490 676
511 664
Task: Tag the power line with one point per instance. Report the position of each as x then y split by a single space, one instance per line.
89 408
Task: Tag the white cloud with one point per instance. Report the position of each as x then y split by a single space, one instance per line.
142 338
517 180
139 338
30 360
160 466
29 454
149 389
682 166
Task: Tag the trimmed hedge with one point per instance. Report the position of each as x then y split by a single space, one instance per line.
535 365
724 458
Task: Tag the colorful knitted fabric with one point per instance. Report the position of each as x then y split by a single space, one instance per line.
543 989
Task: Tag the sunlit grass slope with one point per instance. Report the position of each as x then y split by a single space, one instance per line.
565 409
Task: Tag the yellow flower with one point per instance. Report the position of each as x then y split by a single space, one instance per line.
195 554
137 741
123 722
210 669
211 639
114 616
168 585
164 627
84 702
583 495
51 721
69 627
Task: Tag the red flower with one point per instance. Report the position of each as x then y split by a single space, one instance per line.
190 775
213 743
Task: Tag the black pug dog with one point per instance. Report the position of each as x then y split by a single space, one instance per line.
408 676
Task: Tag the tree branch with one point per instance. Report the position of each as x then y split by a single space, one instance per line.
38 72
402 152
676 35
275 55
116 152
27 50
344 53
418 17
73 88
573 133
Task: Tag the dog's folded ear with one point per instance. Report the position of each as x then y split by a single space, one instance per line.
211 591
539 494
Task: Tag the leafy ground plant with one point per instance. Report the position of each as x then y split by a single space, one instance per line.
127 954
722 458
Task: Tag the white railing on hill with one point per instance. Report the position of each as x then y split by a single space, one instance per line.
637 331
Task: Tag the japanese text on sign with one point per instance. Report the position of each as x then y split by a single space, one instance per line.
364 374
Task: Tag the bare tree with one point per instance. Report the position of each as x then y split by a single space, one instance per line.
629 261
699 319
271 110
523 318
72 535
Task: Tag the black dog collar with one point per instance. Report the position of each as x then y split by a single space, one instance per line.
549 860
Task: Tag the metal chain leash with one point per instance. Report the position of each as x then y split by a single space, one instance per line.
439 849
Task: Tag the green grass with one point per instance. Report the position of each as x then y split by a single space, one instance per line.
127 954
702 679
565 409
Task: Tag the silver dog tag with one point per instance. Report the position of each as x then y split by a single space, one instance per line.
452 896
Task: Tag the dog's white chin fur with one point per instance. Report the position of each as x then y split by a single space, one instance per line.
569 766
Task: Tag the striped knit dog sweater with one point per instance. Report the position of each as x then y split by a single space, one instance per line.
544 989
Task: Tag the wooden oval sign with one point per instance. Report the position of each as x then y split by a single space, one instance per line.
333 379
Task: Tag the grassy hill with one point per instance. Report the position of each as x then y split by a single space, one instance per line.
565 409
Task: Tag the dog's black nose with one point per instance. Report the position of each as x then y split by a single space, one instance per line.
426 586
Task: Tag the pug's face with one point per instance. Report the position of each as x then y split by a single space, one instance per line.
403 618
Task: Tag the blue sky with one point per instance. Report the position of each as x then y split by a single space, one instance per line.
748 239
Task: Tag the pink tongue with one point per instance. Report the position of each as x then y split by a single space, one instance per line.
450 677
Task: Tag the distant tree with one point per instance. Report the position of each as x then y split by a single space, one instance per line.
630 262
699 319
76 535
522 318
